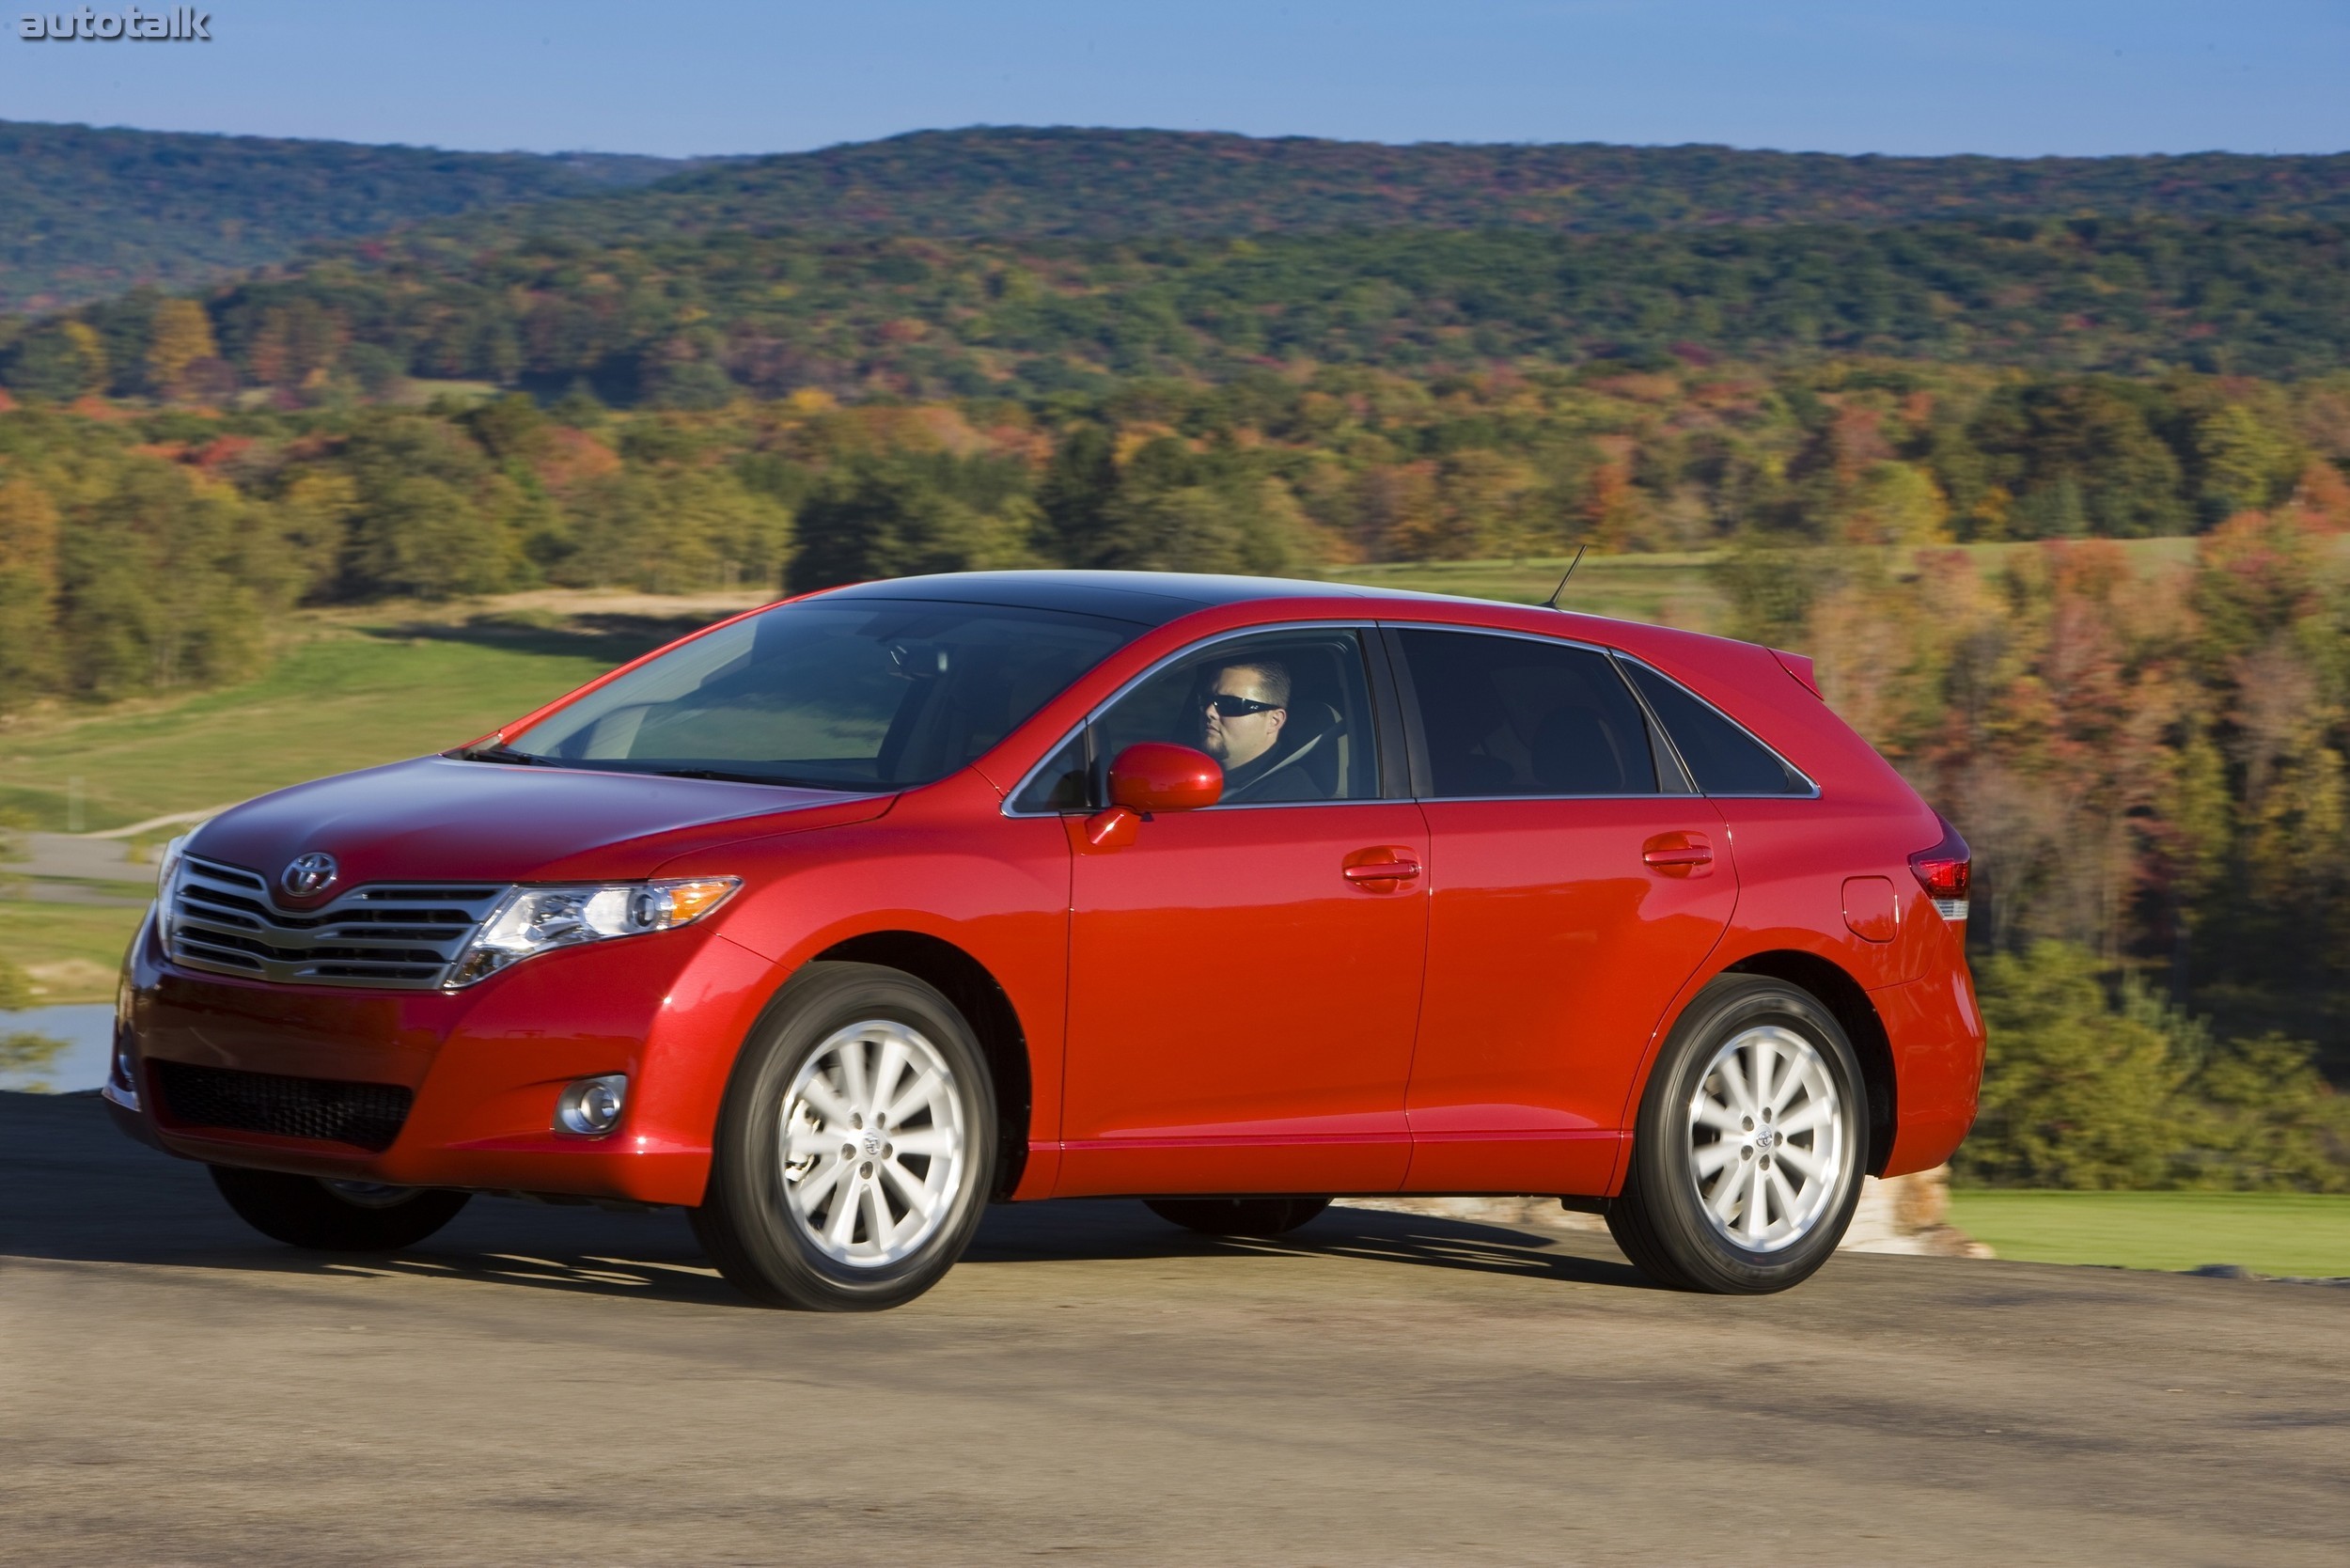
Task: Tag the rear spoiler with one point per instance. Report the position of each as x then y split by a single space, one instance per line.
1799 665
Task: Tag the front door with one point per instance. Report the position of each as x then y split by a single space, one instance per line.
1245 980
1577 884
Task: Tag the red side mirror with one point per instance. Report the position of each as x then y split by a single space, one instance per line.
1155 775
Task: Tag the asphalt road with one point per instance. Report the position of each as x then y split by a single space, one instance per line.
543 1385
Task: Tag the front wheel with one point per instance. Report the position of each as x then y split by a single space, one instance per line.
1747 1155
334 1216
854 1146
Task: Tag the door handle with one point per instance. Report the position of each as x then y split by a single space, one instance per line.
1678 854
1391 866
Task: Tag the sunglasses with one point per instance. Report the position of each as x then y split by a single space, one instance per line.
1234 707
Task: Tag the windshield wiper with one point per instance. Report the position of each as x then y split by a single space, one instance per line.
749 779
498 754
528 759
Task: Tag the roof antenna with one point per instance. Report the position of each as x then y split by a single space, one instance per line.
1552 603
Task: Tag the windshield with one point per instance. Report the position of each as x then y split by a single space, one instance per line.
869 693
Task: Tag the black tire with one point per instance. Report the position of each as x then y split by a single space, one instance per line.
302 1211
1238 1216
1662 1219
753 1228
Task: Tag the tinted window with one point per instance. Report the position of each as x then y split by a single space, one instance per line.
1514 716
1300 728
848 696
1723 759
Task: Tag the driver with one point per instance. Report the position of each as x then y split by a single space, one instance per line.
1242 716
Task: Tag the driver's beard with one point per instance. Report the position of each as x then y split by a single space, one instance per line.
1223 752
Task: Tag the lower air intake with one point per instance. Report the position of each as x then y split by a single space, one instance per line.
367 1116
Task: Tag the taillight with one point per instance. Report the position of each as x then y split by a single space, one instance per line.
1946 871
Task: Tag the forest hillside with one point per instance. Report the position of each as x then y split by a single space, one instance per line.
1092 184
85 213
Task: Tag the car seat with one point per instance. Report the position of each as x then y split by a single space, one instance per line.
1322 746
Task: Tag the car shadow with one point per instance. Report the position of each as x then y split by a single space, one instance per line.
1088 1230
72 1189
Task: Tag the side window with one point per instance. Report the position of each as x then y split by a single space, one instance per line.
1288 714
1723 759
1515 716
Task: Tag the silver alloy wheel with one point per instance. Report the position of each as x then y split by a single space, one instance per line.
872 1143
1766 1130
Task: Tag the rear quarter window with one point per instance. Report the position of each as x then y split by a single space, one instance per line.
1722 757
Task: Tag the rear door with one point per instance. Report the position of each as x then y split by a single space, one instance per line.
1576 881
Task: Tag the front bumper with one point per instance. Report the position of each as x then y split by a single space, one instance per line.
484 1065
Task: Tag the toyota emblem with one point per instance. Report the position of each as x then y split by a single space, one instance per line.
307 874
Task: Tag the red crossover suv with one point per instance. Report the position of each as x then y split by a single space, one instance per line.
836 920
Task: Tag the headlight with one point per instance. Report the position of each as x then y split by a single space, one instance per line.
531 920
168 884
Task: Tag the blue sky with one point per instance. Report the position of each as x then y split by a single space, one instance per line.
2062 76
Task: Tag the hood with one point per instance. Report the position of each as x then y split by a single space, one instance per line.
438 818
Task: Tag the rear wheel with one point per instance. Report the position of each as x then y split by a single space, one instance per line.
854 1145
335 1216
1747 1156
1238 1216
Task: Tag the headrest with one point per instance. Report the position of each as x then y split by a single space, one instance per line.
1309 720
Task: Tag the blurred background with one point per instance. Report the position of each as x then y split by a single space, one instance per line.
369 376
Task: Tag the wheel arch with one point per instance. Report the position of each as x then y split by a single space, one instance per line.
981 1000
1844 996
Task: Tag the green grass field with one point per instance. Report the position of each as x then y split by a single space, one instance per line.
1675 590
345 694
2284 1233
1669 589
78 947
341 697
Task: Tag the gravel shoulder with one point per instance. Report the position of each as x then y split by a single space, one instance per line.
544 1385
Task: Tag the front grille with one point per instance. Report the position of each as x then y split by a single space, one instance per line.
402 936
367 1116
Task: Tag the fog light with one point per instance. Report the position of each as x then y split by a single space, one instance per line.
122 1075
590 1107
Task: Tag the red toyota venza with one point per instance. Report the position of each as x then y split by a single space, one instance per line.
837 920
